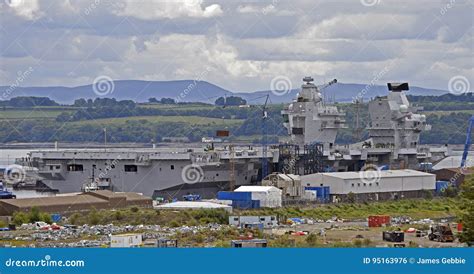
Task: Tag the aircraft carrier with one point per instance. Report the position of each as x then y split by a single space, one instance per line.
312 124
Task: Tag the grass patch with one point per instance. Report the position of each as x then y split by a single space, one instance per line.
193 120
417 209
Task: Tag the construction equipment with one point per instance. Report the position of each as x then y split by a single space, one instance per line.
467 144
393 236
441 233
232 168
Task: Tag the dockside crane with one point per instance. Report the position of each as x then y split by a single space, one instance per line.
264 138
467 145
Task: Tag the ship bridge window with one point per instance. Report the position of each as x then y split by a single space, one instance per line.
130 168
74 167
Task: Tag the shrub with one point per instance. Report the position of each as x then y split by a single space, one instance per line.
74 218
93 217
45 217
312 239
20 218
34 215
357 243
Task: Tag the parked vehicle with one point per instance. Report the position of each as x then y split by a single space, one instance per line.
441 233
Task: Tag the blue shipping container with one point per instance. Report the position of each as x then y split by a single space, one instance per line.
322 192
441 186
55 217
231 195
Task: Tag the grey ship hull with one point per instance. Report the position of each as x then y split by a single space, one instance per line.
167 173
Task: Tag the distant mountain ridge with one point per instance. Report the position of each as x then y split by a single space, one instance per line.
197 91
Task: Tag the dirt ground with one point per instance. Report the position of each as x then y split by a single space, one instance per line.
349 231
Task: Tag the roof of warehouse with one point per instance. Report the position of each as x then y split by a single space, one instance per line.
383 174
288 177
101 197
255 188
54 201
192 204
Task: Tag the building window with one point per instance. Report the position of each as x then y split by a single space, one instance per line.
321 185
130 168
365 184
172 167
377 183
353 185
74 167
358 184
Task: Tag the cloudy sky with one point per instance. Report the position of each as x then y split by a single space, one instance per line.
238 45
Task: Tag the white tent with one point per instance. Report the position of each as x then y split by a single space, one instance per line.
269 196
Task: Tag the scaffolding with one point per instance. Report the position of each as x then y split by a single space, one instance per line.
293 161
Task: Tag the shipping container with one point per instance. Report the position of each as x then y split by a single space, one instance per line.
441 186
56 218
378 220
322 192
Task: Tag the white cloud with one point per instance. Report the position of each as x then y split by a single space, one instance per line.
28 9
155 9
74 41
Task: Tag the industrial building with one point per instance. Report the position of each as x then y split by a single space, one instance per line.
269 196
101 199
455 176
290 184
385 185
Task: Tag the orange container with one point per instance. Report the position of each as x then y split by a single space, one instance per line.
378 220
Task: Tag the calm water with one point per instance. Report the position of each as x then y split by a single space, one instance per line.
7 157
